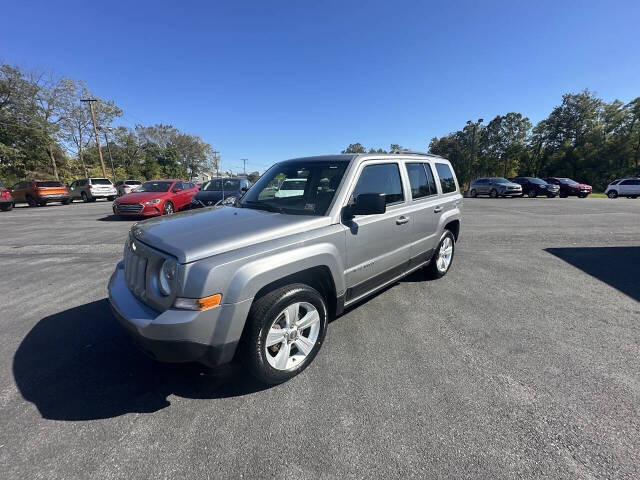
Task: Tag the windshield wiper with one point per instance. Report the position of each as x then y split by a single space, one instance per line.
261 206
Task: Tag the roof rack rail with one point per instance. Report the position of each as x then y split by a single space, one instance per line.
412 152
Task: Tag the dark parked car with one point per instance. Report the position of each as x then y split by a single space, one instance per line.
533 187
6 200
37 193
228 189
570 187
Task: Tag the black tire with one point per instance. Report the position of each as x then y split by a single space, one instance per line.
31 201
551 195
66 202
168 208
431 270
473 193
264 312
84 197
564 195
493 193
612 194
532 193
7 207
582 196
111 199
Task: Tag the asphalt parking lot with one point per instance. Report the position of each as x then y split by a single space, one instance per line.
523 362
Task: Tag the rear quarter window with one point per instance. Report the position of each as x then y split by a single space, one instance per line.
447 181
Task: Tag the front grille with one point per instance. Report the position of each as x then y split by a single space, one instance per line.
130 207
135 271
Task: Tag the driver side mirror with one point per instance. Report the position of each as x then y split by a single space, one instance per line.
368 204
244 189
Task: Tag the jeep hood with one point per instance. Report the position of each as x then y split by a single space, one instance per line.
199 234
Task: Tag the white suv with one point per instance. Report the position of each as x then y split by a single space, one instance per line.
624 187
90 189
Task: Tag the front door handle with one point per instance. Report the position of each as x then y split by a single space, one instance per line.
402 220
438 209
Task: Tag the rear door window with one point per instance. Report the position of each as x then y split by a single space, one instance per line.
381 178
417 180
447 181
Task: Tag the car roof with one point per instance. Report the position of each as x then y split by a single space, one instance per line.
346 157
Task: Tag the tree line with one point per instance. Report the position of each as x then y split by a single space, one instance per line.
46 131
584 138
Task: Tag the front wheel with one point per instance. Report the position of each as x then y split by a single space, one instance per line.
66 201
493 193
612 194
285 330
7 207
85 197
168 208
532 193
31 202
473 193
443 257
551 195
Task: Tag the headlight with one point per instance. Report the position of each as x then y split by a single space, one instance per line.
227 201
155 201
167 276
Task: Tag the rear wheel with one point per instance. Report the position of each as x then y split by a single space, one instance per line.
551 195
168 208
443 257
532 193
284 332
84 196
612 194
66 201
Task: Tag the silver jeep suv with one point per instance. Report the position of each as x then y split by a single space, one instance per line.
261 278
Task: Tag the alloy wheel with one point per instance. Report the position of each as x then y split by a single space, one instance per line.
444 255
292 336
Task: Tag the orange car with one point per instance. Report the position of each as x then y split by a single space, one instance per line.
37 193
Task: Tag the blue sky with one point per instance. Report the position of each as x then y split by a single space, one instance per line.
273 80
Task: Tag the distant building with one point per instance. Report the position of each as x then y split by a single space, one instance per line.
204 177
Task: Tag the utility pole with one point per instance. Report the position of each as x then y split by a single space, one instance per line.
106 139
244 166
217 160
95 130
473 148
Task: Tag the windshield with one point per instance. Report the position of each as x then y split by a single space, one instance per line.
568 181
132 182
100 181
500 180
219 184
297 187
48 184
537 181
154 187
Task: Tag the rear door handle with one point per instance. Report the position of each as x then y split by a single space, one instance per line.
438 209
402 220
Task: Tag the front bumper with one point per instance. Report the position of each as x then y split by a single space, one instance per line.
209 336
147 211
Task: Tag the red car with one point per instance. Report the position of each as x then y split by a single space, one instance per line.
156 197
570 187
